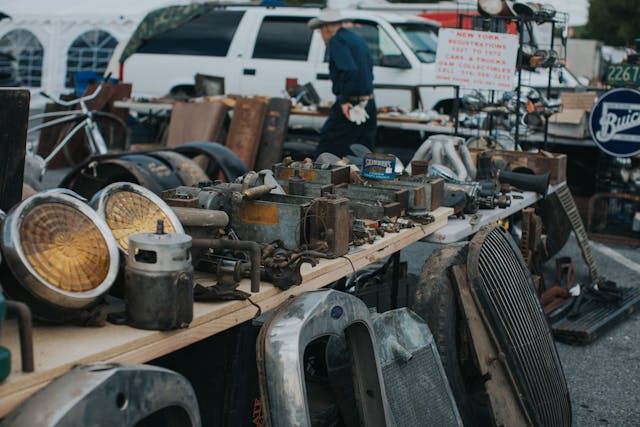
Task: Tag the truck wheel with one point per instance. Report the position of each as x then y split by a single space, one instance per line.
436 302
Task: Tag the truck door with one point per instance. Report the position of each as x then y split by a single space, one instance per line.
280 55
394 77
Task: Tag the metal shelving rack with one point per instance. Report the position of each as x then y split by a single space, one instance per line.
500 24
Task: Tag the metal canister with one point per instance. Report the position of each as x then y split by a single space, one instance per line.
159 280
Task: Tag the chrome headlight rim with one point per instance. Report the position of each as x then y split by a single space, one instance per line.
101 198
27 276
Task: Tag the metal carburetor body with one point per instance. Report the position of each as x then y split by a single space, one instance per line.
159 281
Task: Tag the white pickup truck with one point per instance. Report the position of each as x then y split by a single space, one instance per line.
257 50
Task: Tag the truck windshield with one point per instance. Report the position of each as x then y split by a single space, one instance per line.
421 38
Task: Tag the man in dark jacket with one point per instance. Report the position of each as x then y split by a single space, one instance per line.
352 118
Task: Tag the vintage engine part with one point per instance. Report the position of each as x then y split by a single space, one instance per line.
250 247
415 381
280 349
105 394
129 208
425 194
365 201
329 215
158 288
61 254
501 287
314 172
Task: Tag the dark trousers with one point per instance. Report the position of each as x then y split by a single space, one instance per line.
338 133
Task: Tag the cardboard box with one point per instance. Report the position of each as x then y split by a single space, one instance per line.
538 163
573 120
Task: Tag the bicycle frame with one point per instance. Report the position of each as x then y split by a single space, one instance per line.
85 119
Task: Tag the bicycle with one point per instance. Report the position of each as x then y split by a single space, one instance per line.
84 119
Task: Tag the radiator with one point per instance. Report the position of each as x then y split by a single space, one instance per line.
503 291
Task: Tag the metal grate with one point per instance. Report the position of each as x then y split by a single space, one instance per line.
503 288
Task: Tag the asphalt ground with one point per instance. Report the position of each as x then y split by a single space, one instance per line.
604 376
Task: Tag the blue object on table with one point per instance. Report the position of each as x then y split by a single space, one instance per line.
82 79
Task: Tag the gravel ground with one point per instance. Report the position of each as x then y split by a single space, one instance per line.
604 376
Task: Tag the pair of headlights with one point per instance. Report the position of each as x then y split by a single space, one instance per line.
64 255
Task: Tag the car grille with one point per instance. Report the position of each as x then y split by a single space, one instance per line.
503 288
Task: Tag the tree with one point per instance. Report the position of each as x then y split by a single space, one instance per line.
615 22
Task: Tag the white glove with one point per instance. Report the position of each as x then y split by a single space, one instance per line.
357 113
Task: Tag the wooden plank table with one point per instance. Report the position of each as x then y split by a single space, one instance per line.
58 348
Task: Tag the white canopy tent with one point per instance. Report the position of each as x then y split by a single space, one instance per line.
42 33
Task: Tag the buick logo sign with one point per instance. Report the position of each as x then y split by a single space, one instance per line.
615 122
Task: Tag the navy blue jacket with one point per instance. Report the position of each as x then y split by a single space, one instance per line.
350 66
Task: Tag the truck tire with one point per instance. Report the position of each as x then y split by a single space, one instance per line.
436 302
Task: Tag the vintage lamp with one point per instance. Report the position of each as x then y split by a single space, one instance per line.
130 209
61 254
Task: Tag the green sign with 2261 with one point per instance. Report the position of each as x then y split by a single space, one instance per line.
623 75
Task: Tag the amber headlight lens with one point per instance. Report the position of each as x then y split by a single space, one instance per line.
64 247
130 209
59 250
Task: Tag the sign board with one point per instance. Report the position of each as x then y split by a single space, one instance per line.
476 59
615 122
623 75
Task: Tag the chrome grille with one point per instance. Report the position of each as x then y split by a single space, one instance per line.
502 286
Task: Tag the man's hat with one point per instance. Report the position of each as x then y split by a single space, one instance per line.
326 16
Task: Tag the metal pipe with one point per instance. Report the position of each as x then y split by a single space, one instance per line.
196 217
25 329
454 159
255 254
465 155
260 190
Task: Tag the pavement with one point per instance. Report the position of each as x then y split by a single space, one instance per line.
604 376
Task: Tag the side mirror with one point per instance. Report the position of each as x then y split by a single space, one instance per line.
395 61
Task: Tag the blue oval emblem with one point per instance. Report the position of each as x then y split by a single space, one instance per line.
336 312
615 122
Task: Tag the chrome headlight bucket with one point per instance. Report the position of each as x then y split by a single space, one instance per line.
130 209
59 251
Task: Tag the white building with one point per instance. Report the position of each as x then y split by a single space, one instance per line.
51 40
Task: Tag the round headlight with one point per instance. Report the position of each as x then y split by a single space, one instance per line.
59 250
130 209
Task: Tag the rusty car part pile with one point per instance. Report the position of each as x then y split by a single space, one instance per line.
499 356
379 370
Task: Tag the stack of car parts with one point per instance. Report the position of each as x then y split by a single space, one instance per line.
496 346
60 253
156 170
111 395
376 370
281 347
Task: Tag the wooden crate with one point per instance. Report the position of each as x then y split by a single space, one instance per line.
538 163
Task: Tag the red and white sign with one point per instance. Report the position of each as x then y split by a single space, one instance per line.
476 59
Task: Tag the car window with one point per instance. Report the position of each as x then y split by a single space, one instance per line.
208 35
379 42
283 38
421 38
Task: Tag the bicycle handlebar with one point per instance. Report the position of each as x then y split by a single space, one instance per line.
81 99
